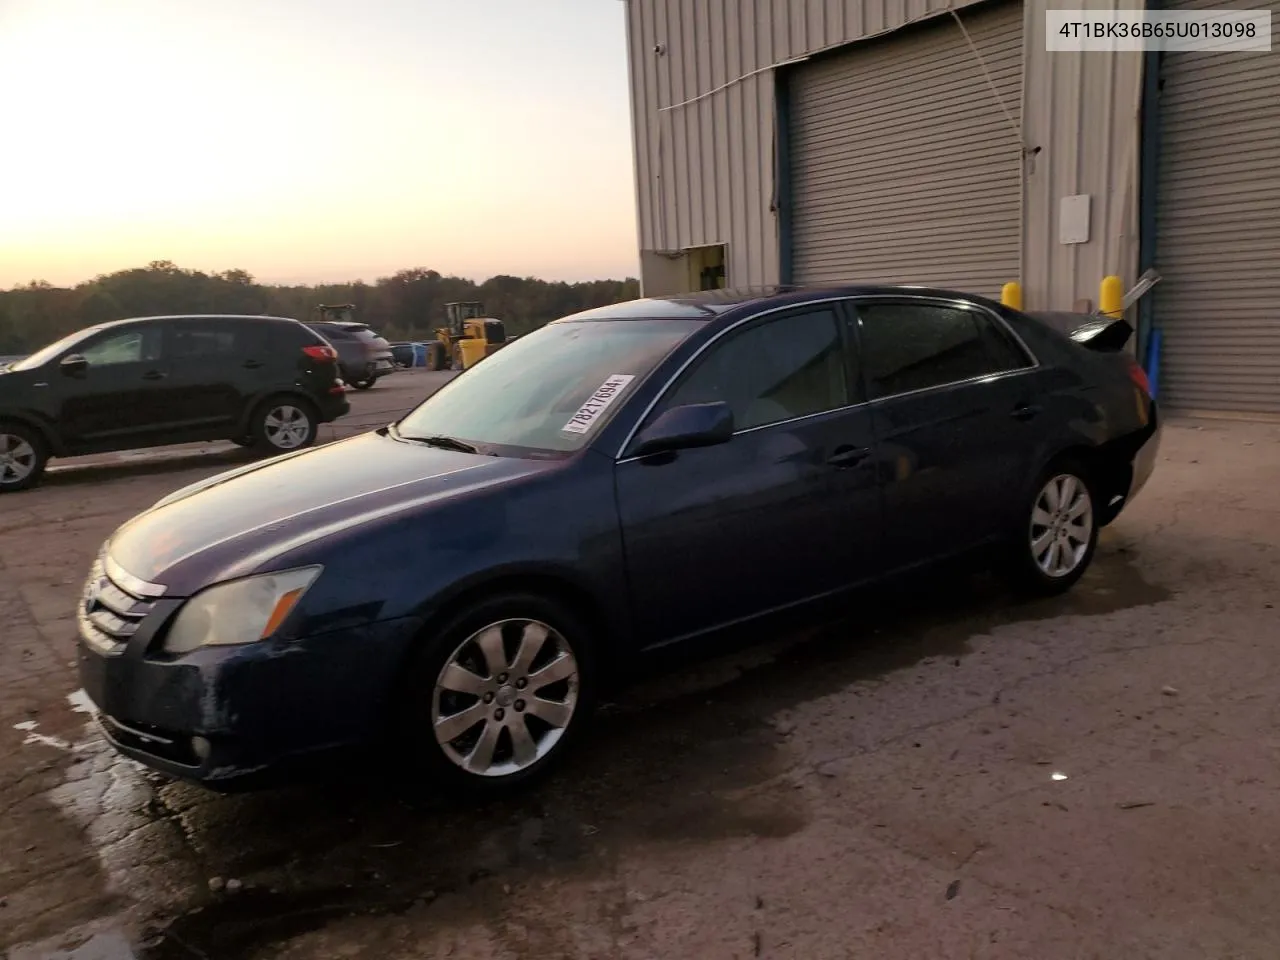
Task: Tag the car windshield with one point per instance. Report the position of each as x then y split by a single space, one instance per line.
551 390
45 354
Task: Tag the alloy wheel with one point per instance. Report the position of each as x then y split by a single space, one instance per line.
505 697
1061 525
17 458
286 427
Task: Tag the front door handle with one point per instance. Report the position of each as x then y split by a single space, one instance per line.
848 456
154 375
253 364
1026 411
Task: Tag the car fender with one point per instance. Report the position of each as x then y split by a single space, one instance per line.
243 423
42 425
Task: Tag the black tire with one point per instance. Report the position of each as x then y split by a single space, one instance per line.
436 357
268 435
365 384
456 363
438 766
1031 570
23 456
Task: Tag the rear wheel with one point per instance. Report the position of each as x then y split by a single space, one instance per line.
1059 531
457 357
496 697
436 357
365 384
23 457
281 424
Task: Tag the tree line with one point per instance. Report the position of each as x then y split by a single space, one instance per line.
405 306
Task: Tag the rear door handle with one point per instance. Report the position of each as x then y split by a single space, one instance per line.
1026 411
154 375
253 364
848 456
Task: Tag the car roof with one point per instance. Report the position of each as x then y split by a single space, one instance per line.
194 316
710 304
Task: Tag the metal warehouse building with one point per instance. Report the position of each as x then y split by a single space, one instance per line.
921 141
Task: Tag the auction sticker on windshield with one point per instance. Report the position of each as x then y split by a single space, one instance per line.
597 403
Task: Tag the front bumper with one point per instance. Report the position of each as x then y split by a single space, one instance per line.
231 716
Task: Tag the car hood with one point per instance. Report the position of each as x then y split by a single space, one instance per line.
235 522
17 381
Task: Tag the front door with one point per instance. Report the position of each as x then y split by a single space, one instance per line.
949 387
118 399
788 510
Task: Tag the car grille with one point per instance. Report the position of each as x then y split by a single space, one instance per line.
109 614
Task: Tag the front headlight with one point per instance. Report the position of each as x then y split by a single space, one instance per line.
241 611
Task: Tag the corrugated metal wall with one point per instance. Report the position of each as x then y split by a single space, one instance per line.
1218 227
705 170
906 164
1083 111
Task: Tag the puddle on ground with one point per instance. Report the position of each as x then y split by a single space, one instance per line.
110 944
688 757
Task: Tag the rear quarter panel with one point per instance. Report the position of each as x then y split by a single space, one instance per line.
1088 397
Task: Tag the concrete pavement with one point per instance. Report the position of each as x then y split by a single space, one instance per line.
943 774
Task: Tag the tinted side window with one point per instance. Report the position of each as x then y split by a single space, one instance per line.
909 346
1002 351
783 368
133 345
196 339
293 335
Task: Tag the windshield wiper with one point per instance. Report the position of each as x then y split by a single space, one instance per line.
445 443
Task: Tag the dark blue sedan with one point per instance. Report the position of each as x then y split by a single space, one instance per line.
619 481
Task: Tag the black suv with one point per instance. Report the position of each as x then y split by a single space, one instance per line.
363 355
259 381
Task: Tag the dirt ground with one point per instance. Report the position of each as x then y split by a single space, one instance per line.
943 774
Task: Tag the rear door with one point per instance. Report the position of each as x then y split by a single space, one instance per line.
786 511
955 412
217 365
119 401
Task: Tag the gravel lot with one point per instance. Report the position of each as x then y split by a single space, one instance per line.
943 774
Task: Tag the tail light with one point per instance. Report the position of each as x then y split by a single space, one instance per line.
319 352
1139 376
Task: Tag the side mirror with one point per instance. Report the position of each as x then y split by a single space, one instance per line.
681 428
74 365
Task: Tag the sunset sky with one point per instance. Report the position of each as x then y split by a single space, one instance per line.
313 140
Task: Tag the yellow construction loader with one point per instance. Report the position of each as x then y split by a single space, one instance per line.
466 339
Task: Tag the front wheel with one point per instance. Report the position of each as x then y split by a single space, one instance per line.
365 384
282 424
23 457
496 697
1059 531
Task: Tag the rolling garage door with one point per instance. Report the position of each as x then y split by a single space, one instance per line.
1218 227
904 166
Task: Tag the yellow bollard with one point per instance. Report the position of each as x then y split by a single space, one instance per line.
1011 295
1111 297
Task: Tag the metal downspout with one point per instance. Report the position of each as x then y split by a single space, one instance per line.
782 173
1148 184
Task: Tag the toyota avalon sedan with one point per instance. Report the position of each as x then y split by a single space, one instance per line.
460 582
